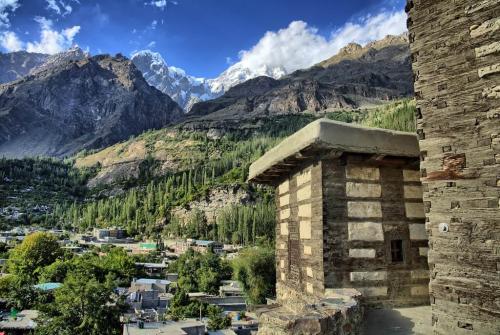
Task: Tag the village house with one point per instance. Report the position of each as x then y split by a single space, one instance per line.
202 246
350 214
182 327
149 298
22 323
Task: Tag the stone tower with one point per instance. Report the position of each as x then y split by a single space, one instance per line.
455 46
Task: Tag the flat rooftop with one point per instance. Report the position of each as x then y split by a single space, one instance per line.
23 321
181 327
149 281
325 135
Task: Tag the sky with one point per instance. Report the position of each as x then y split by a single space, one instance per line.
203 37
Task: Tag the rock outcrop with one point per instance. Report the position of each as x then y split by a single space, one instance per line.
90 103
216 199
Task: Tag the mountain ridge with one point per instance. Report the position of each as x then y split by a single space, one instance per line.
356 77
80 104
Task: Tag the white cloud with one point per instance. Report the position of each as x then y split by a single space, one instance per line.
10 42
159 3
51 41
162 4
6 8
62 8
151 44
154 24
300 45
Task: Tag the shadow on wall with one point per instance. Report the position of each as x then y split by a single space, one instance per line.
400 321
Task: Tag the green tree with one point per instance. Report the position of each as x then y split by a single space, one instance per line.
82 306
216 318
255 269
36 251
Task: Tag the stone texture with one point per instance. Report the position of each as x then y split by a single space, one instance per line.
365 231
420 274
413 192
363 173
414 210
284 200
362 253
303 178
284 214
305 211
411 175
284 187
363 190
364 209
422 251
305 229
304 193
368 276
455 58
339 313
420 290
375 291
307 250
284 228
417 231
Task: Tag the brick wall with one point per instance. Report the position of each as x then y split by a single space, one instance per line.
367 204
455 49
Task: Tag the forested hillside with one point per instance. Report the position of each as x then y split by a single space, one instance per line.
142 184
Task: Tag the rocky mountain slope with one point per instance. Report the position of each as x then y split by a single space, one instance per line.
183 88
356 77
73 105
74 54
15 65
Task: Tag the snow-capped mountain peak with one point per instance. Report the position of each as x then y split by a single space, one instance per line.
186 89
183 88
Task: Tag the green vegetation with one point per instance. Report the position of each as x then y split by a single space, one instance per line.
255 270
35 252
397 116
181 307
200 272
216 319
175 168
32 183
85 304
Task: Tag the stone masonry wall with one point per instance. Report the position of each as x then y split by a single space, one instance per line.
367 204
299 251
455 48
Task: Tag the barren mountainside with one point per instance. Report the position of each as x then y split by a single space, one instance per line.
356 77
74 105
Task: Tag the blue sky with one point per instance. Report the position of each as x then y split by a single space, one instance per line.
203 37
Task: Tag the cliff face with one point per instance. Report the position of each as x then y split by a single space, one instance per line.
86 104
356 77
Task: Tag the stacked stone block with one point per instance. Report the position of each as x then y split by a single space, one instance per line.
367 205
455 49
337 218
299 232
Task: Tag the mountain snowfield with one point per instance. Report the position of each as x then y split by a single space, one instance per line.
186 90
